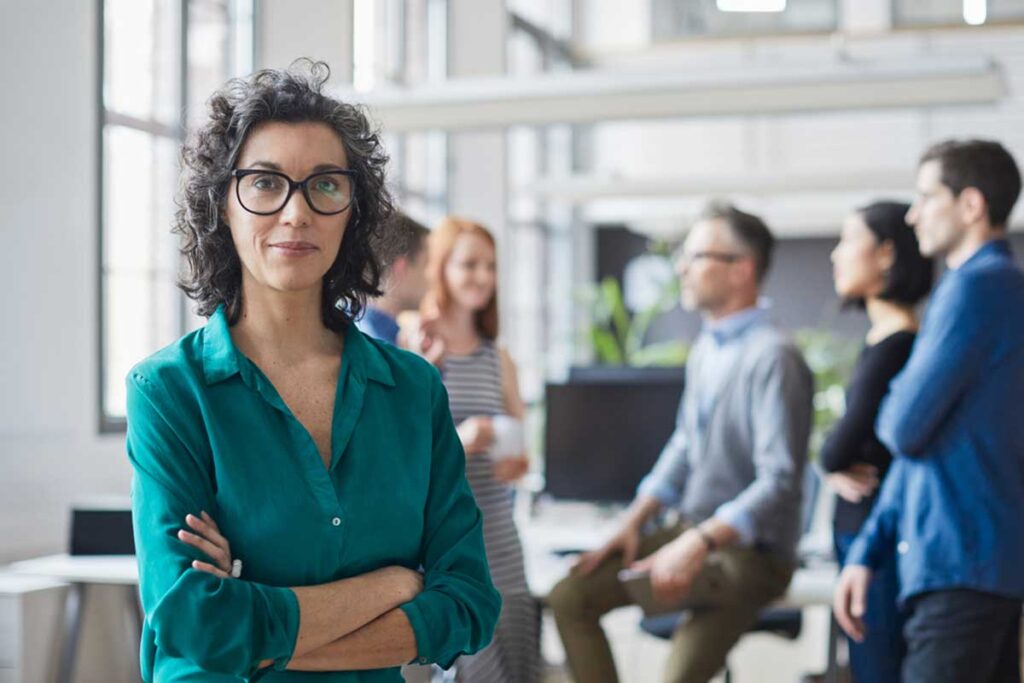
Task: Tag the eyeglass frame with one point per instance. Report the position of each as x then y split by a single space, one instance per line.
293 185
722 256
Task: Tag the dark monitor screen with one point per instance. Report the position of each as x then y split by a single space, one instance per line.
603 437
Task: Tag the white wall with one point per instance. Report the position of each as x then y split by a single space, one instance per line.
50 452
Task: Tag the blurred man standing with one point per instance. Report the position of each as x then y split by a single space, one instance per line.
402 248
953 502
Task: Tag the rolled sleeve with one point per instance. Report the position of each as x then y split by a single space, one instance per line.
740 520
222 625
458 609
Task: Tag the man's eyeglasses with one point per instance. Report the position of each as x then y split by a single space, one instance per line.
723 256
266 192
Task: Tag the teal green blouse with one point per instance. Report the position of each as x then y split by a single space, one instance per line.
208 431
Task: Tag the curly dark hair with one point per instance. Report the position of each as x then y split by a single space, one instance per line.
214 272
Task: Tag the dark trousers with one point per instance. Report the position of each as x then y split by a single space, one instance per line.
962 636
879 658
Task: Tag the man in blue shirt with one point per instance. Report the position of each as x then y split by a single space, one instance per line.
953 503
732 471
402 247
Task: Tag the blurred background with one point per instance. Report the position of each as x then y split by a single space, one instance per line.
586 134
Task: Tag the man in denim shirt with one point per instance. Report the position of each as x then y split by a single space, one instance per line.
953 502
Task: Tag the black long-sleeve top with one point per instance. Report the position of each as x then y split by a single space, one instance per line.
853 439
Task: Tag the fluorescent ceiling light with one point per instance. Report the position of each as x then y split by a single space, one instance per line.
595 96
975 12
751 5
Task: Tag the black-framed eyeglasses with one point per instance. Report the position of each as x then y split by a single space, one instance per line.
266 192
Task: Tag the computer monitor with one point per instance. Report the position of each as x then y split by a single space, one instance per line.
604 434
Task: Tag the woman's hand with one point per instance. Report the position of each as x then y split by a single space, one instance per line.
420 335
476 434
855 484
207 537
509 470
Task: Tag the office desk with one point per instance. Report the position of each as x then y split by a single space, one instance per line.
81 571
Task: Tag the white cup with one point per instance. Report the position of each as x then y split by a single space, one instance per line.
508 437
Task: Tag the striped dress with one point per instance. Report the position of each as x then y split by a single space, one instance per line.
474 389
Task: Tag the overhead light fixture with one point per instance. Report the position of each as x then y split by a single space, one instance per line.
751 5
975 12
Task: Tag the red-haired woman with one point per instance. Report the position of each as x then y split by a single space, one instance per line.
461 309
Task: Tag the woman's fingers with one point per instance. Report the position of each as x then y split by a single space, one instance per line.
208 530
215 553
220 556
210 569
209 520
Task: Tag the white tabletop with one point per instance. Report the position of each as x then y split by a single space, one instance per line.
105 569
17 584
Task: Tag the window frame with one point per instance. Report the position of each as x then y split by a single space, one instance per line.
108 423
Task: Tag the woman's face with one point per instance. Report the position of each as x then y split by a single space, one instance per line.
859 262
292 249
470 272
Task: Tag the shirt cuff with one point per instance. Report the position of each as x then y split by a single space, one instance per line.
420 631
664 492
287 605
859 553
737 517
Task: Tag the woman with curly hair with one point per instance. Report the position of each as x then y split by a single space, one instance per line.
299 494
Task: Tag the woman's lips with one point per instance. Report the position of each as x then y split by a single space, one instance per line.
294 248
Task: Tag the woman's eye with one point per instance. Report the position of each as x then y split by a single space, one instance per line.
327 186
266 183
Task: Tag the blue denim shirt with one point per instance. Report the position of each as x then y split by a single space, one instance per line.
953 502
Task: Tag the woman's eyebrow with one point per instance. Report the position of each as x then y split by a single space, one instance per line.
328 167
270 165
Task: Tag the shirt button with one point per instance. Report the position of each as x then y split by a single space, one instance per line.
336 521
423 660
903 547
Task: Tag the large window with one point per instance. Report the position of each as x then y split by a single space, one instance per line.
161 59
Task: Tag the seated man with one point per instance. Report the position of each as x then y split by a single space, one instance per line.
733 469
403 255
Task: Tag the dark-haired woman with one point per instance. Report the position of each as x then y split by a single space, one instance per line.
299 498
876 264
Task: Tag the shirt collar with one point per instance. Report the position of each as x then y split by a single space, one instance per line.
221 358
732 326
996 247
